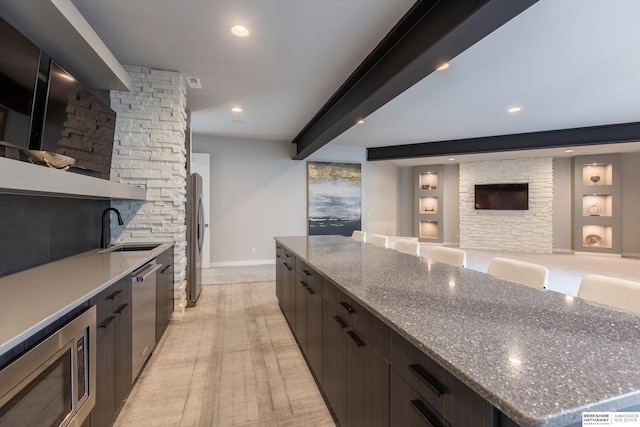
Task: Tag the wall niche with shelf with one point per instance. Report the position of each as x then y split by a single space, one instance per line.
429 203
596 204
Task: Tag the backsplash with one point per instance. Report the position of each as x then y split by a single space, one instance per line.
35 230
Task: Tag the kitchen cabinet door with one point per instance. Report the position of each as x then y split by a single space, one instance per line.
289 300
314 328
113 351
300 330
164 292
334 361
367 384
123 349
103 412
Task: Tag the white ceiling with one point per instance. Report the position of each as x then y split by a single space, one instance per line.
567 63
299 52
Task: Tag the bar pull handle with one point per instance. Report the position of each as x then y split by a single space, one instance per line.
165 269
303 283
148 273
287 265
307 273
424 413
347 307
417 370
356 338
287 255
340 322
119 309
106 321
114 294
311 291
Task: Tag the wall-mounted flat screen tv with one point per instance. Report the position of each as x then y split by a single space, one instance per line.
18 75
512 197
78 124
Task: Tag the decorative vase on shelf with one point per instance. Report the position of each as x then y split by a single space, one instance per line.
595 179
594 209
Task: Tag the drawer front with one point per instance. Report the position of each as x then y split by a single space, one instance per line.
442 391
308 274
278 251
419 370
288 258
408 408
370 327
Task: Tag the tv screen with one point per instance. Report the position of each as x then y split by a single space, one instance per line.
18 74
78 124
514 197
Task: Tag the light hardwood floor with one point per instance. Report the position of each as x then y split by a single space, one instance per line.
229 361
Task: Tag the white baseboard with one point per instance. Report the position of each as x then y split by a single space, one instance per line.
562 251
598 254
242 263
630 255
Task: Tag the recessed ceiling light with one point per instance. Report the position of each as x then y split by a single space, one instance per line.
240 31
443 67
359 122
514 109
568 151
236 110
452 159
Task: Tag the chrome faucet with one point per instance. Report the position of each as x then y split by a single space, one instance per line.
103 239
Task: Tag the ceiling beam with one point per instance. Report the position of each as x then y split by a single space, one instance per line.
431 33
607 134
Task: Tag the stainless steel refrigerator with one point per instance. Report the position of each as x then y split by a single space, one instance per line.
195 238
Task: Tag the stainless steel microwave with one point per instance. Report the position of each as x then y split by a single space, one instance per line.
53 384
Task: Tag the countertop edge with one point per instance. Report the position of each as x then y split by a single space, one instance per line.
16 340
526 420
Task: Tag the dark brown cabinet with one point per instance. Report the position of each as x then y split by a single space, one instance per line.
285 285
164 292
355 376
334 362
432 390
113 351
314 327
369 374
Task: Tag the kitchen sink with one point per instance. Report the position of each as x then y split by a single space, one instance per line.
130 248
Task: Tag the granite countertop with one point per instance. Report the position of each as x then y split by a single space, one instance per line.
34 298
539 356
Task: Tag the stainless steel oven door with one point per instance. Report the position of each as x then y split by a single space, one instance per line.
53 384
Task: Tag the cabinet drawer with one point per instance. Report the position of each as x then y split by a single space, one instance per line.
110 299
278 251
442 391
408 408
308 274
367 325
288 258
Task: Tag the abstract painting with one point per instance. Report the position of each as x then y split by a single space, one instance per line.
334 198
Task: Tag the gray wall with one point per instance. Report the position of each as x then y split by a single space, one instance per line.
258 192
562 200
451 205
630 177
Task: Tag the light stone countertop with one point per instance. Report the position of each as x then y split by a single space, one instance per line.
34 298
540 357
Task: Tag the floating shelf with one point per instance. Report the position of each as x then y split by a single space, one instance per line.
18 177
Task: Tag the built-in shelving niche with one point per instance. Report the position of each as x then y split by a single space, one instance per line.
429 230
597 226
429 205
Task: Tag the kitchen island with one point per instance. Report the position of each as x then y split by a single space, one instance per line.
538 358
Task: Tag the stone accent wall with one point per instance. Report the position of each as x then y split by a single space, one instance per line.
526 231
149 151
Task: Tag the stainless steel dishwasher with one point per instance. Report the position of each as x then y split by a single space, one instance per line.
143 296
